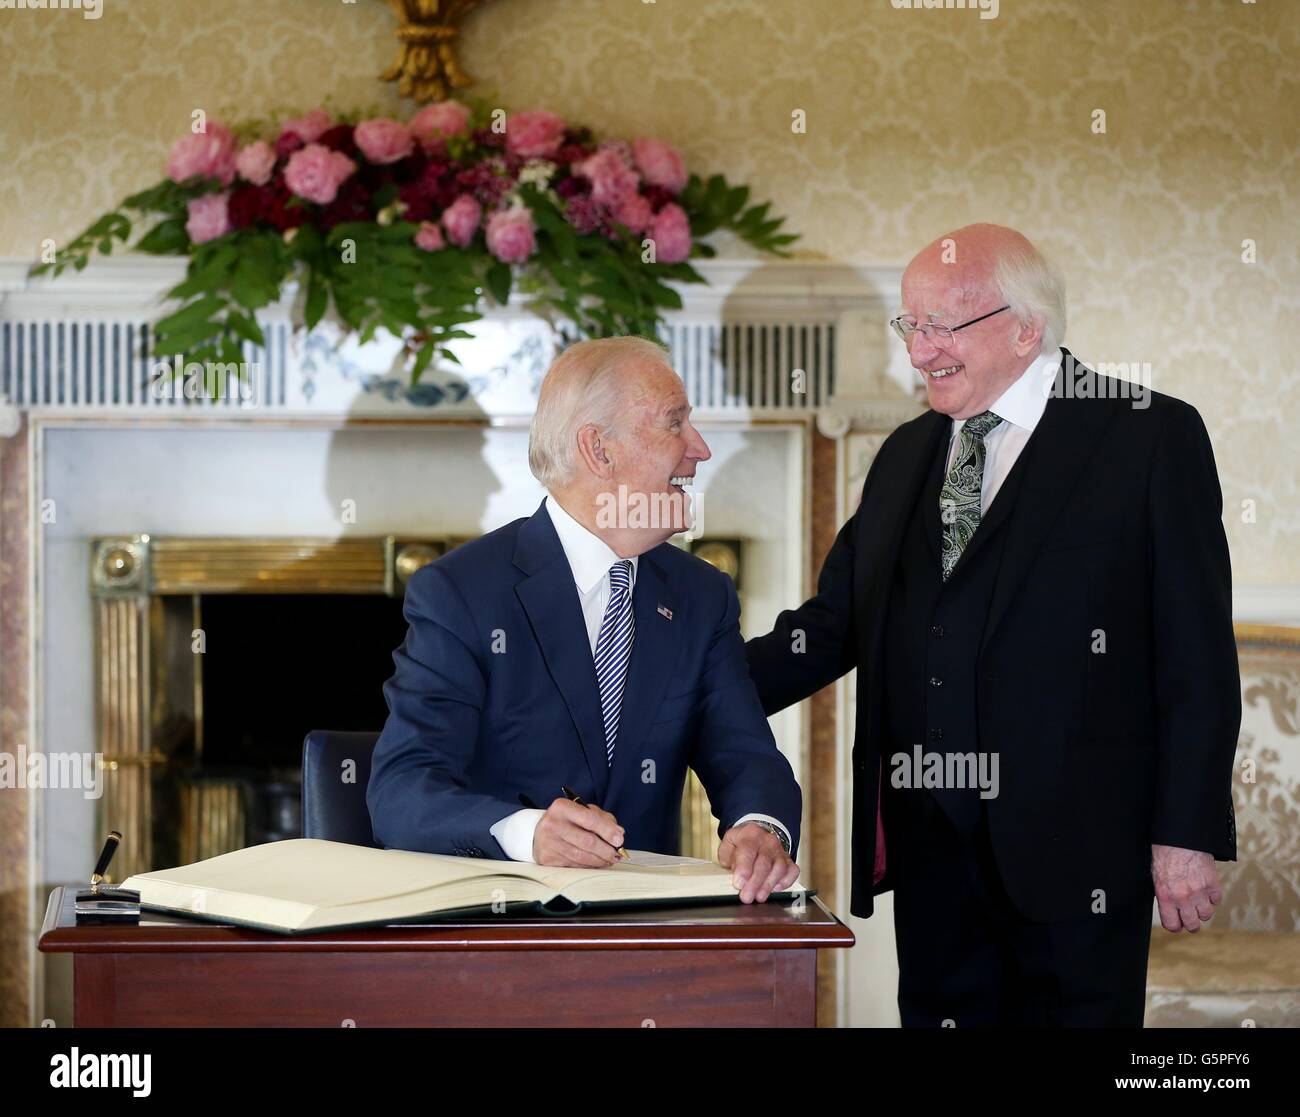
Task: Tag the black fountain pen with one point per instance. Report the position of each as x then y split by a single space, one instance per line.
103 900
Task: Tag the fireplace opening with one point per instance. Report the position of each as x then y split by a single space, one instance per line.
273 668
276 667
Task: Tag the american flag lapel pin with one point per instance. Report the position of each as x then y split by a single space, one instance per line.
665 612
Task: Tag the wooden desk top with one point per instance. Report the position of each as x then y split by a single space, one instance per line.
730 926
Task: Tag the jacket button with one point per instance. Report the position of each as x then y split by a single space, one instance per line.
936 734
935 681
937 630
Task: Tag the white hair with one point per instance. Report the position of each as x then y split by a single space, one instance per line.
1033 289
583 387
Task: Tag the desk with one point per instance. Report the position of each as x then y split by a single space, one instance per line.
727 966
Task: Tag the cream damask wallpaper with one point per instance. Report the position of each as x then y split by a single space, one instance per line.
918 120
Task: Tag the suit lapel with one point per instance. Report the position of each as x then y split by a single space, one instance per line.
1053 461
931 494
550 598
655 647
887 520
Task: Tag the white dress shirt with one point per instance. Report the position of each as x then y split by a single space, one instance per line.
1020 407
590 558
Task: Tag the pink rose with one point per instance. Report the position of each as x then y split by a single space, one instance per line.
310 127
671 232
461 219
634 212
316 173
429 237
511 234
434 123
621 148
612 180
383 141
209 217
535 134
256 162
660 164
209 154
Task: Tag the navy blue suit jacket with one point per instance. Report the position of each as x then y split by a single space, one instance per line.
495 696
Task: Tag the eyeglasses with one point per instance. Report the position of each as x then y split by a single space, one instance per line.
905 326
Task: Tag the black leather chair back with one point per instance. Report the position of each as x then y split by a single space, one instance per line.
334 791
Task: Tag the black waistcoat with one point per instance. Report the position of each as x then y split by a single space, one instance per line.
933 635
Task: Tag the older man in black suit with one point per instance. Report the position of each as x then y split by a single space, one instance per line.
1036 592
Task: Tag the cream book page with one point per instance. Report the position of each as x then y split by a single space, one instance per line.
303 882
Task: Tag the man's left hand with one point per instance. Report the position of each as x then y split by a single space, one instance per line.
1187 887
758 862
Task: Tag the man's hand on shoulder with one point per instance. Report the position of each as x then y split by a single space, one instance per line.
758 861
1187 887
577 836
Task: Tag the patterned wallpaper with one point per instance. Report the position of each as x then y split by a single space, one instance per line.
917 121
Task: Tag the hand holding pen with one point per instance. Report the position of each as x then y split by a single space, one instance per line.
577 835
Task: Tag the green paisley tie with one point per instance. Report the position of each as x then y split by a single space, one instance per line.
959 502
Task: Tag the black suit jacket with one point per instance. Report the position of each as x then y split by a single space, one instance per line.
1115 535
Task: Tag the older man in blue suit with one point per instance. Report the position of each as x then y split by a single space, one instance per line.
576 648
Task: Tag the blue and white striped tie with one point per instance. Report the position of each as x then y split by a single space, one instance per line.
613 649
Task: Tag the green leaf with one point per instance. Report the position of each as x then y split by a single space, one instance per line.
317 299
196 311
182 339
167 238
165 197
736 199
498 281
717 192
422 358
246 327
664 296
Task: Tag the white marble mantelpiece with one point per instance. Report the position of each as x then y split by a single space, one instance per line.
76 344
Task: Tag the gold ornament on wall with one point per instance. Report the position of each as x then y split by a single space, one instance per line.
426 68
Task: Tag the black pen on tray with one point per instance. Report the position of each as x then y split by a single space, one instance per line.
574 797
105 856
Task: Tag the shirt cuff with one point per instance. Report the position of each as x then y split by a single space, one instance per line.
767 818
514 834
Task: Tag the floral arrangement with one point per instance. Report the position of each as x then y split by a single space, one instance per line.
405 225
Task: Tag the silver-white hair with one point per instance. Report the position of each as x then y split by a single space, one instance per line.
1033 289
585 385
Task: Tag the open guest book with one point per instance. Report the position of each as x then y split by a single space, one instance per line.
306 884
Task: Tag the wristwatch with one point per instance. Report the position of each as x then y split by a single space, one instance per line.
771 829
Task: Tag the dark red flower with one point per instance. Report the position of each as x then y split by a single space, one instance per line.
418 201
339 138
409 169
582 214
572 153
245 205
447 192
287 144
352 204
574 186
484 183
658 197
485 137
274 198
